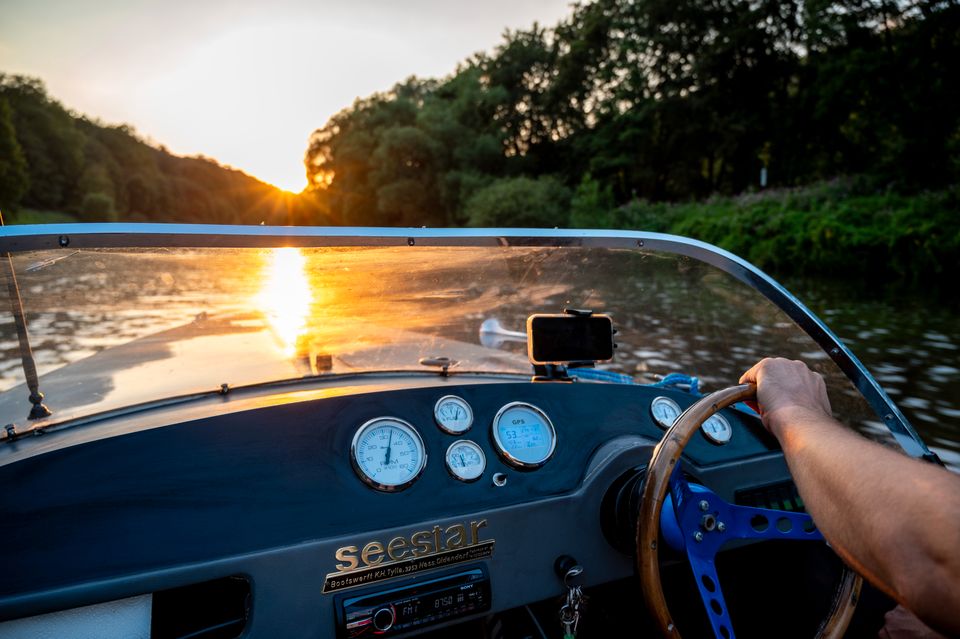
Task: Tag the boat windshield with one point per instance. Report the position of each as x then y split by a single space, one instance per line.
117 327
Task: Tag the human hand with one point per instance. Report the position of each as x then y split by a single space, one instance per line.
787 391
900 623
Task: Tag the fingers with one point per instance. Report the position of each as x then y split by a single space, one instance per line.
784 383
753 375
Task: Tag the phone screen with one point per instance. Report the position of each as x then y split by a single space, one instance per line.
554 339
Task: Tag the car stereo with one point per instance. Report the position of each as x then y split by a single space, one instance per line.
424 603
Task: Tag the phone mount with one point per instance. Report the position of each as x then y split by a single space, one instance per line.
577 338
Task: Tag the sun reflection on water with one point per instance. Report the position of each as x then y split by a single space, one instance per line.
285 296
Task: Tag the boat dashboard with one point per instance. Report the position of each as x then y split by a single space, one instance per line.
386 505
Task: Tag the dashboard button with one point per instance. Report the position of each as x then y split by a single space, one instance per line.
383 618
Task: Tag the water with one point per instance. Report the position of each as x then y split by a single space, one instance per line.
910 341
673 316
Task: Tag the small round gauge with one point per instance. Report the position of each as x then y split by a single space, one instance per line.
523 435
665 411
388 453
465 460
717 429
453 415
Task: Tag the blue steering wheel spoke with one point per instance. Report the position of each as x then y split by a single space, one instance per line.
696 520
705 572
765 523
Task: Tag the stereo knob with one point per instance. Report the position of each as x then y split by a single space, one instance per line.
383 618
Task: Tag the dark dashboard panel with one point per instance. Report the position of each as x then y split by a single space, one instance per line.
278 475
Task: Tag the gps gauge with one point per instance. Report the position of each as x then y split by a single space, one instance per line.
523 435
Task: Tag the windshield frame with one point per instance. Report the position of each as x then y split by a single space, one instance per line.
20 238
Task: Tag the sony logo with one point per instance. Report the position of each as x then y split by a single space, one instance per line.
419 544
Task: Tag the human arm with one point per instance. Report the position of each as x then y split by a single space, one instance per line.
894 519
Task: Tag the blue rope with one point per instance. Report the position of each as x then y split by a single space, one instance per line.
680 381
598 375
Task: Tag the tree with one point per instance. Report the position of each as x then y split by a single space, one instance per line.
520 202
14 180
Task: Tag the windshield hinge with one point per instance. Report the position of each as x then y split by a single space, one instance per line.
444 363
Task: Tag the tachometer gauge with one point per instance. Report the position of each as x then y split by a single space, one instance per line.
453 415
523 435
665 411
388 453
465 460
717 429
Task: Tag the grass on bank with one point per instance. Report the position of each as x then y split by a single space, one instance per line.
34 216
839 228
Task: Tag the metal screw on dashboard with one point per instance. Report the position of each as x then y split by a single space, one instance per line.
698 536
704 504
499 480
721 526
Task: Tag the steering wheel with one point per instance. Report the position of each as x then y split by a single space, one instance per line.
694 519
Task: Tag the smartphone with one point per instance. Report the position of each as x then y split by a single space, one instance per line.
560 339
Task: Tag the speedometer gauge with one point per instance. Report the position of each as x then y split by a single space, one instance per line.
717 429
388 453
453 415
465 460
665 411
523 435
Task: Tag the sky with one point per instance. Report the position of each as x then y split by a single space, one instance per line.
244 82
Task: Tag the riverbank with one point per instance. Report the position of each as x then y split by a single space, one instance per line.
836 228
840 228
33 216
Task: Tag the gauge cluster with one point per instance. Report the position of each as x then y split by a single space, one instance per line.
716 428
389 454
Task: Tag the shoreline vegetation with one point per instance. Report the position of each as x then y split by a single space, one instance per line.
841 228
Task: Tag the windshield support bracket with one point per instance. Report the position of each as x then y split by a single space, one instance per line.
39 410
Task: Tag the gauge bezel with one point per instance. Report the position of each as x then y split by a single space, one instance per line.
479 449
713 439
436 414
387 488
501 450
663 399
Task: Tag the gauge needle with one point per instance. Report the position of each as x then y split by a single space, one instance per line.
389 444
462 463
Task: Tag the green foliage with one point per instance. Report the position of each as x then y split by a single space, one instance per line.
97 207
592 204
520 202
839 227
33 216
661 100
66 163
14 180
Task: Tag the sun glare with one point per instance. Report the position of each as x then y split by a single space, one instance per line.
285 297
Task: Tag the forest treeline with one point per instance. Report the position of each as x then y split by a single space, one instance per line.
651 101
58 165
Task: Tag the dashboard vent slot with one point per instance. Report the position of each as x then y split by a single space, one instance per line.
215 609
782 496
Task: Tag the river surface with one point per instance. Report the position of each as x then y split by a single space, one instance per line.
673 315
910 341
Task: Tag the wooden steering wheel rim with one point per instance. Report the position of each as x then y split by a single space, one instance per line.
655 488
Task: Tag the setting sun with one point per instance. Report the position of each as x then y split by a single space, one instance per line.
285 297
